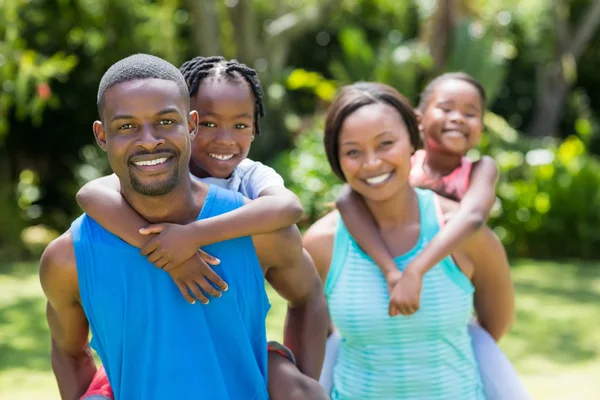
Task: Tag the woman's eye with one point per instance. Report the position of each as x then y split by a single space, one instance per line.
387 143
352 153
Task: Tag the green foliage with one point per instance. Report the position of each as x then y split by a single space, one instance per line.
394 61
307 173
478 50
548 196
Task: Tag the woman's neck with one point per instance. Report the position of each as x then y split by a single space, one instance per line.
400 209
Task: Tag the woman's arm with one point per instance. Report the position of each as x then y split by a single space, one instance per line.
494 292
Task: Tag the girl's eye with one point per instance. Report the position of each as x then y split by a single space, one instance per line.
165 122
125 126
240 126
208 124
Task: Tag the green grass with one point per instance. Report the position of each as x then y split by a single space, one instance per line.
555 343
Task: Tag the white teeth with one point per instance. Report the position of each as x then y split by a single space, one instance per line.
151 162
222 157
378 179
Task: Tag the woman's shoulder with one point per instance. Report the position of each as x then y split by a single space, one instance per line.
322 231
318 241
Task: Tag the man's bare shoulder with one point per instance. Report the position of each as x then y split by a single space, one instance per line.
58 267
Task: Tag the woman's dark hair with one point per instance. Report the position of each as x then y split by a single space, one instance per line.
352 97
450 76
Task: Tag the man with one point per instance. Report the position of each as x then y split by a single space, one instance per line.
152 343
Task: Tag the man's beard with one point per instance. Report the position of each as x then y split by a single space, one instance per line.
157 187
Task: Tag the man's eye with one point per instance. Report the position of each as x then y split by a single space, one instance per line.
125 126
208 124
166 122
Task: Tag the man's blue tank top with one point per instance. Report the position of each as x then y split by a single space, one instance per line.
155 345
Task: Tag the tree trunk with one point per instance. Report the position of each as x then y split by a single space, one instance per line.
556 78
206 27
245 31
549 111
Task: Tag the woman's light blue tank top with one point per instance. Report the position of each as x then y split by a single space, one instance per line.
153 344
425 356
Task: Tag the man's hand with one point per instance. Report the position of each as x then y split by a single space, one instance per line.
173 244
194 274
405 296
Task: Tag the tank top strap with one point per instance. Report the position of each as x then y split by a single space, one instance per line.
341 247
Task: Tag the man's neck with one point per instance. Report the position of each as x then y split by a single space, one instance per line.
180 206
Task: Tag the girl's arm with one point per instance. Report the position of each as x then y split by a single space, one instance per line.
362 227
275 208
473 213
101 199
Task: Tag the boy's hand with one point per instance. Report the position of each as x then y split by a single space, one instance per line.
172 246
405 297
194 274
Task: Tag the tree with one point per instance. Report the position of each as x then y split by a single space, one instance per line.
556 77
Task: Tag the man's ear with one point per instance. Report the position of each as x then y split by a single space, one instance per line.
193 119
100 134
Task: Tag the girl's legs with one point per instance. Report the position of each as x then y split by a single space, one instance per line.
500 379
331 353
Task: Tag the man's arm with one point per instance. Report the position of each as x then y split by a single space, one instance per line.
291 272
71 356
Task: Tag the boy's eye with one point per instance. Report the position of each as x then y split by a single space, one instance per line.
166 122
208 124
125 126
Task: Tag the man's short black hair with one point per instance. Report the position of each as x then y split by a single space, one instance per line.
140 66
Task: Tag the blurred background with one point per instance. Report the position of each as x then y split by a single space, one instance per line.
537 59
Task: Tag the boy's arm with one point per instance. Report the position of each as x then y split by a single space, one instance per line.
71 356
362 227
101 199
475 208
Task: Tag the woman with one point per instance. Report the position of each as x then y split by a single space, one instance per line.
370 134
